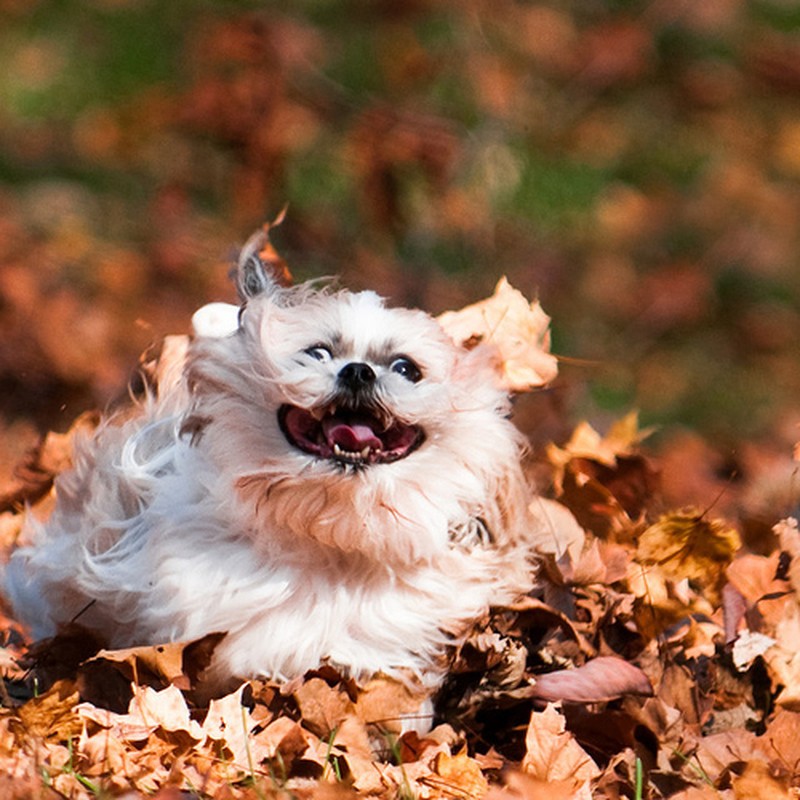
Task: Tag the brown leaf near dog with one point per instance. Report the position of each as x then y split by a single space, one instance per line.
322 706
622 440
105 679
553 754
386 704
33 476
51 715
268 255
602 679
758 780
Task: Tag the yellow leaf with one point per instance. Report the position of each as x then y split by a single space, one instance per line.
518 329
688 545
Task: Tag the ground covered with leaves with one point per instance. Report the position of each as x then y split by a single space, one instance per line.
658 659
633 163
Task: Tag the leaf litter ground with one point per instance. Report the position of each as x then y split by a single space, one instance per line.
659 658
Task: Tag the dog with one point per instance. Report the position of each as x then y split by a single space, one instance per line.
323 478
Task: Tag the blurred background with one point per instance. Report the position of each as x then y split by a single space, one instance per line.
635 165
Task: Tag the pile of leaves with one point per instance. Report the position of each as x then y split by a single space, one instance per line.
658 658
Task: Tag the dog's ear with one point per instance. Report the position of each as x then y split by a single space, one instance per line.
260 269
252 274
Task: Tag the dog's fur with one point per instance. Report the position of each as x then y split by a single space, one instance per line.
204 510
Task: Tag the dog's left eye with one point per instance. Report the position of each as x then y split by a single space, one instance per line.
320 352
407 368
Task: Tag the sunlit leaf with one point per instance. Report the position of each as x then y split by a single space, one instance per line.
688 545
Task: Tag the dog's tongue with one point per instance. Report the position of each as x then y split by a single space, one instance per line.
353 435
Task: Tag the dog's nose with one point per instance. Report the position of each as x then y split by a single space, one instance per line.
356 375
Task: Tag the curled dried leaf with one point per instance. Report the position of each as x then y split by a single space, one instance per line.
601 679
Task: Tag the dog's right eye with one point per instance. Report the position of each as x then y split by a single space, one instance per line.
320 352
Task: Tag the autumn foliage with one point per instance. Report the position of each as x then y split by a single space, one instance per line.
636 165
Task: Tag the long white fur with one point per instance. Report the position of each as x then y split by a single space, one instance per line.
195 514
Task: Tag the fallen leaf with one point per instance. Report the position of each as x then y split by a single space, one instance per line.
687 545
601 679
715 753
520 786
229 723
323 707
757 780
552 754
748 647
390 705
585 442
166 709
517 329
105 679
52 714
461 775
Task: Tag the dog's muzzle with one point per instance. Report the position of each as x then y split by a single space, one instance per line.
348 434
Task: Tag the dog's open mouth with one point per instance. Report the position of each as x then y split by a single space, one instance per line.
350 437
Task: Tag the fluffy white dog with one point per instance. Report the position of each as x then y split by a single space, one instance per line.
332 481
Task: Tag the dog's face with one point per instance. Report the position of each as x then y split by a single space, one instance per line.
354 384
363 426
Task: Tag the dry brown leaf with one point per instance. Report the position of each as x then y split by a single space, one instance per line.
163 660
517 329
562 534
703 792
552 754
390 705
52 715
105 678
228 722
621 440
166 709
519 786
716 752
33 476
789 543
783 658
322 706
268 255
754 576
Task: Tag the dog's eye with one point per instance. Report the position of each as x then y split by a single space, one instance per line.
407 368
320 352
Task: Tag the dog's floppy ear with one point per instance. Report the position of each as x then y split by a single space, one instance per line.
260 268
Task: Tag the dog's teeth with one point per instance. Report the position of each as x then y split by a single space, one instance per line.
336 449
365 452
